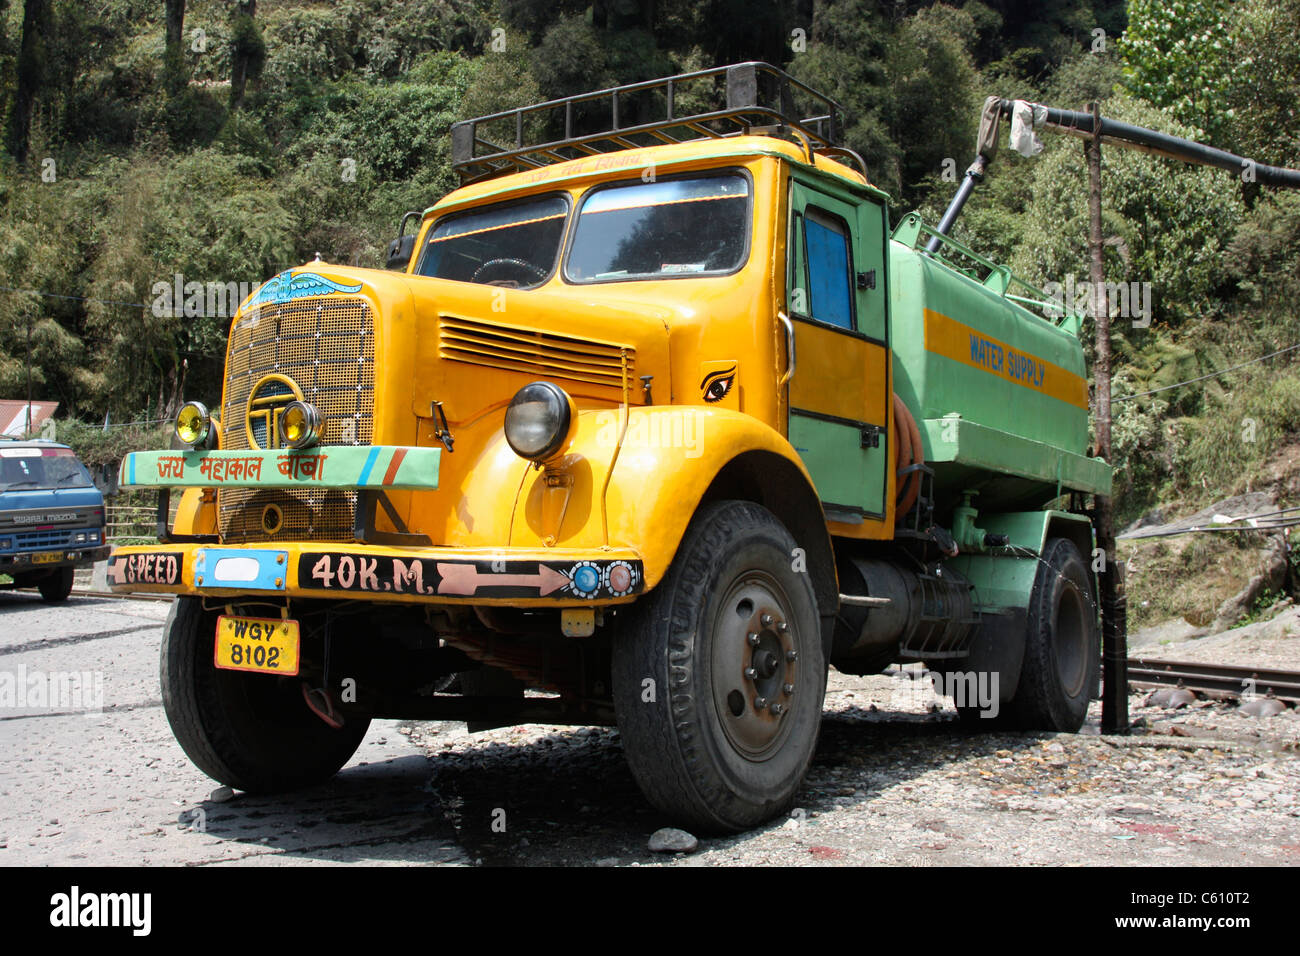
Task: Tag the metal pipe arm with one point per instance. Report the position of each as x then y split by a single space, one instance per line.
1118 133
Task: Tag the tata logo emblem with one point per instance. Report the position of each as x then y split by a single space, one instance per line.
265 402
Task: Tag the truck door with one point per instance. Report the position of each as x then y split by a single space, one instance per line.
839 395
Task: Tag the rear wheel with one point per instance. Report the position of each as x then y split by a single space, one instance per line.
1062 644
56 586
719 675
253 732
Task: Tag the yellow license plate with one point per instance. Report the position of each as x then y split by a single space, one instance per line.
263 645
47 557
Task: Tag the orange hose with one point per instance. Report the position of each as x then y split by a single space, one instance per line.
910 451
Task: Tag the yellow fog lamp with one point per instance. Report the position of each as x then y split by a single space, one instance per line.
539 421
193 424
300 425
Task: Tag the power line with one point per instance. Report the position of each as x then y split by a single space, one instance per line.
1201 378
1202 529
73 298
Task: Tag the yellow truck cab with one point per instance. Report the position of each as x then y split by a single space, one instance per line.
623 423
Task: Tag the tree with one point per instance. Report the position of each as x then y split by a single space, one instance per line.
848 42
174 57
1263 100
1178 54
31 73
247 51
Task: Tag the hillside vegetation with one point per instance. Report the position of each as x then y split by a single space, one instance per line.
225 141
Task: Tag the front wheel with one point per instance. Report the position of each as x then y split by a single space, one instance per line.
719 675
56 586
252 732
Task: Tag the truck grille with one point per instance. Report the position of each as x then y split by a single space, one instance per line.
326 346
32 540
536 353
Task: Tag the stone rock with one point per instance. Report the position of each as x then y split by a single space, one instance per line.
221 795
672 840
1170 697
1262 707
1272 574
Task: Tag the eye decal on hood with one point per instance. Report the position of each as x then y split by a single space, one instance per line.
717 384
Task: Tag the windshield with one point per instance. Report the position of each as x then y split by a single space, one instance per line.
510 244
46 468
673 228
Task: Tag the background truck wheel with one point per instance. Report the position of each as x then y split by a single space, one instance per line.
56 586
252 732
1062 644
719 675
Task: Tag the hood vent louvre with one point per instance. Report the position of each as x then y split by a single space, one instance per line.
542 354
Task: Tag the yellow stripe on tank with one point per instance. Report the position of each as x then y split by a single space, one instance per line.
962 343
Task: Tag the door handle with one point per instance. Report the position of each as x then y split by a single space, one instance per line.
789 347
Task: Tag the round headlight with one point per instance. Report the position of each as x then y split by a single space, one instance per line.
193 424
300 425
538 421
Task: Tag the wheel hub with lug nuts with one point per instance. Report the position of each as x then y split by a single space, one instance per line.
755 665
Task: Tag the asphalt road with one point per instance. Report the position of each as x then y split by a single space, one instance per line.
96 778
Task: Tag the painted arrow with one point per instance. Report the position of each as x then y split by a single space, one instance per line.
465 579
115 573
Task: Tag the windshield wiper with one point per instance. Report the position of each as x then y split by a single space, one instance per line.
19 484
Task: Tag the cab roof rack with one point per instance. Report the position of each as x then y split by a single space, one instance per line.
759 98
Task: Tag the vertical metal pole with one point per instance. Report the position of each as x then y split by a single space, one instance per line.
28 433
1114 631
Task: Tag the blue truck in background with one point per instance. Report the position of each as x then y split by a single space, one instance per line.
51 517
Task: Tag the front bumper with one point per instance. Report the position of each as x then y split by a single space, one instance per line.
26 561
545 577
308 569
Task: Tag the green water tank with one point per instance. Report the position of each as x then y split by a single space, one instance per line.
1000 393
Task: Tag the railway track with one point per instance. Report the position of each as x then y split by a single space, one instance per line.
1217 679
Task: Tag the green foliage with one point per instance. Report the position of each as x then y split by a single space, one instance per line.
100 448
1266 50
1178 54
846 59
343 127
1227 448
1138 437
1259 609
933 100
1165 224
1262 256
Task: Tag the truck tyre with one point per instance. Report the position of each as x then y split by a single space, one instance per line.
1062 644
719 674
56 586
252 732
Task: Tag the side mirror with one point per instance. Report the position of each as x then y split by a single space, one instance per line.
399 253
400 249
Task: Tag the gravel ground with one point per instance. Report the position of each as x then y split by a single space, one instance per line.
897 781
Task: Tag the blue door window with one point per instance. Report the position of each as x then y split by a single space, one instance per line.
830 294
